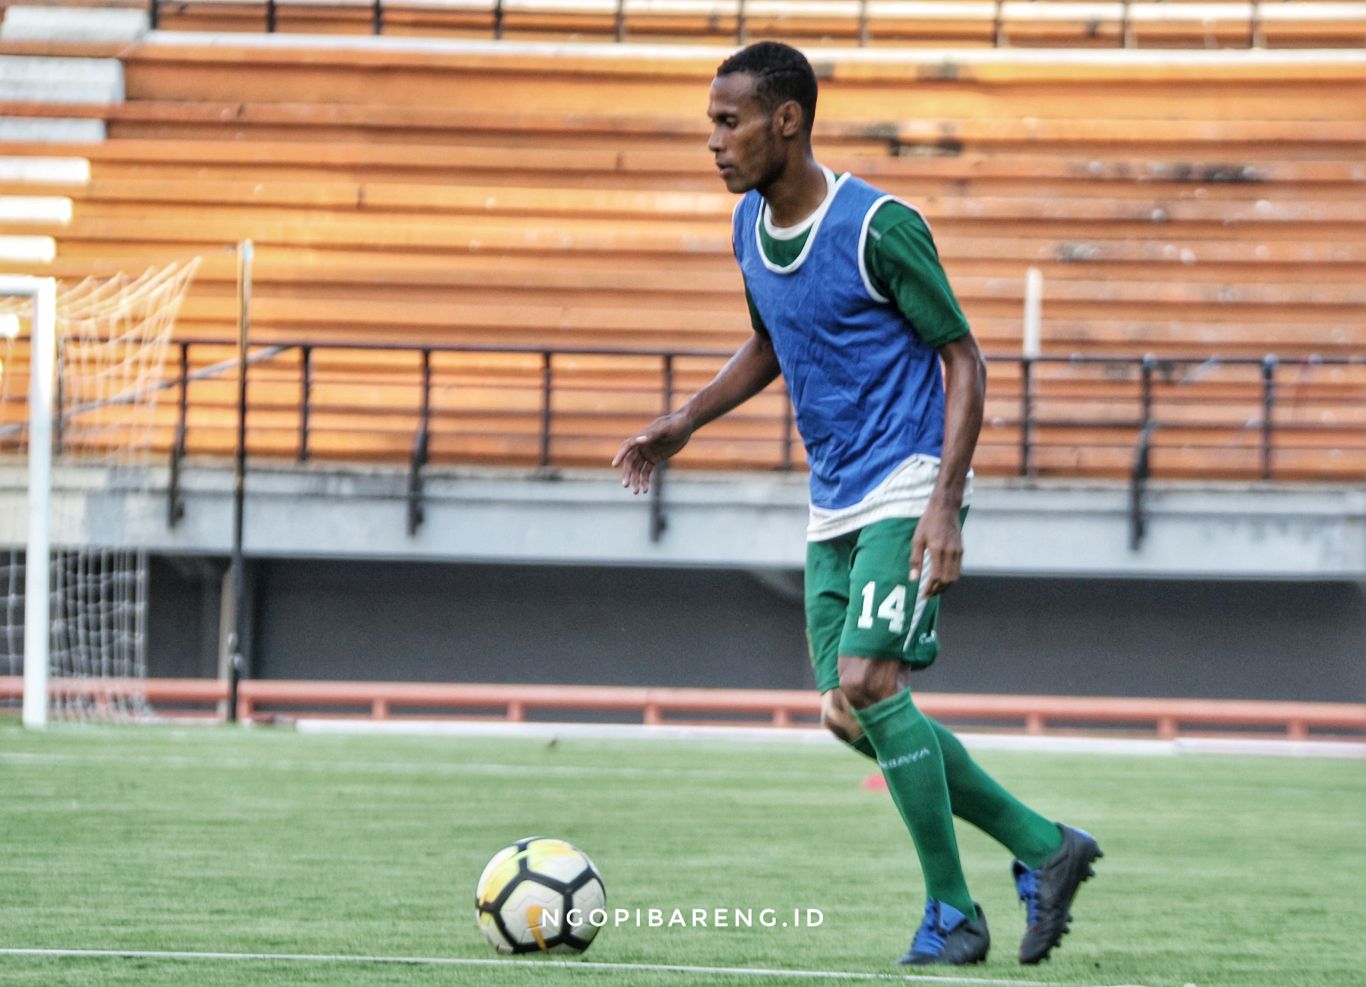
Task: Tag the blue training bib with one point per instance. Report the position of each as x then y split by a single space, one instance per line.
867 390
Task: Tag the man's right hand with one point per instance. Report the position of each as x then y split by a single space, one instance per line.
640 454
753 367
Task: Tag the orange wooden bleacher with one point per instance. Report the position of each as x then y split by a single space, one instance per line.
517 200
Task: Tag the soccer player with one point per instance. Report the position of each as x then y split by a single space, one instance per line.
848 302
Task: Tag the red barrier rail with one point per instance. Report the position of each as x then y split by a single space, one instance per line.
1166 718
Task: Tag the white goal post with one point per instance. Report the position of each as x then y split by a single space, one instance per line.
76 446
42 294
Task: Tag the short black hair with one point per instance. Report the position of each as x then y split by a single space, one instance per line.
780 72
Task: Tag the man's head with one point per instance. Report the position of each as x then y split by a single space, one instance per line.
763 102
781 73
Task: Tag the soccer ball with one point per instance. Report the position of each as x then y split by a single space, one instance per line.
540 894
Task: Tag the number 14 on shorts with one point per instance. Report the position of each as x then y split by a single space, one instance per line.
892 608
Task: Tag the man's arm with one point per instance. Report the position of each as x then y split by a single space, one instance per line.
938 533
904 265
753 367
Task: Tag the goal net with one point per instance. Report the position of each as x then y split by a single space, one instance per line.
96 413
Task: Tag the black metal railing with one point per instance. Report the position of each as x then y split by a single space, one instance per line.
862 28
1138 418
550 408
421 449
1138 485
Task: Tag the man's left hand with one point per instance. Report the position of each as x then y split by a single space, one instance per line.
938 536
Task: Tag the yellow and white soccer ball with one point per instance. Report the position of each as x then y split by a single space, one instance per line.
540 895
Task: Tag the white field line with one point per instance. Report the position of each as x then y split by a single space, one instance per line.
710 971
799 735
551 732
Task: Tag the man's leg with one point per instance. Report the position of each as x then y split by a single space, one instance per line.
908 754
1051 859
974 796
838 718
881 617
981 800
953 931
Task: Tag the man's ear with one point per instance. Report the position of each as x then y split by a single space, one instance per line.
787 118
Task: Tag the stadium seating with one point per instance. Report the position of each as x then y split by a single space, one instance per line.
509 199
878 23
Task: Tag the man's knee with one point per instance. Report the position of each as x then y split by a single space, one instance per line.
838 718
865 681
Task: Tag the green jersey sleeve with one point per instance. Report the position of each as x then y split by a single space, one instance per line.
903 265
755 319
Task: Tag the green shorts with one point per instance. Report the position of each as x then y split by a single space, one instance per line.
860 600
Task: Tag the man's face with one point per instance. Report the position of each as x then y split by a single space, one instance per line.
744 138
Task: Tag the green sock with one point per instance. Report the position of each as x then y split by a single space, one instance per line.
863 745
979 799
908 753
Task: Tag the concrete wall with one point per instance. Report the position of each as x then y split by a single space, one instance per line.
1252 591
1020 528
716 627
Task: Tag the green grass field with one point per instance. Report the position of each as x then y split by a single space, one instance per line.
1218 871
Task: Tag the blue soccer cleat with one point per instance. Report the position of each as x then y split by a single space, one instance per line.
1047 891
946 936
